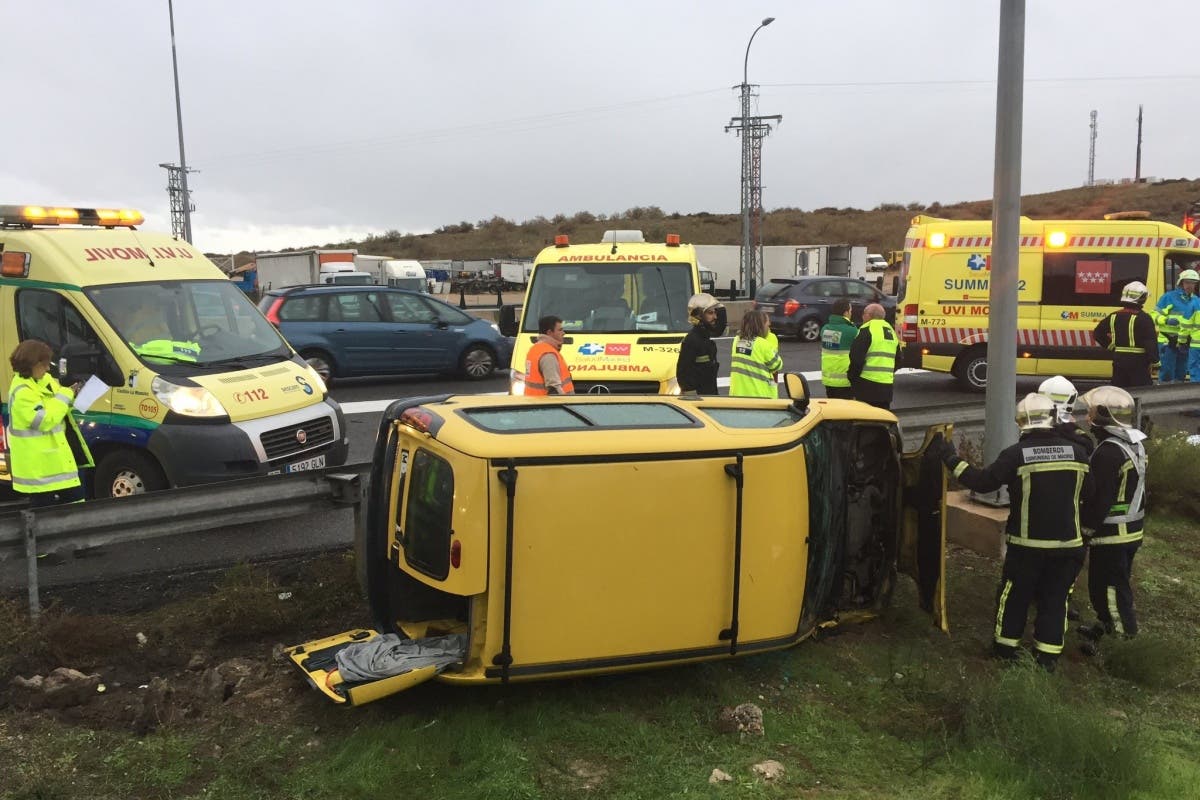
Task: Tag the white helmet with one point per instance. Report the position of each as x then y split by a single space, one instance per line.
1188 275
1036 412
699 303
1134 293
1062 393
1109 405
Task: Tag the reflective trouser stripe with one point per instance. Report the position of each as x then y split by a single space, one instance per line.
1125 538
1044 544
1114 611
1051 649
1000 639
23 433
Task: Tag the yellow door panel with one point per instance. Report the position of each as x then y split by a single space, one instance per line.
922 550
316 660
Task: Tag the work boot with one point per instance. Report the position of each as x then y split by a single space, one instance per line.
1046 661
1093 631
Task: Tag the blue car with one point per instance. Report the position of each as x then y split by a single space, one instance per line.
346 331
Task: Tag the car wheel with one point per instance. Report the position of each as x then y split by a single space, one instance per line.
809 330
971 369
320 361
478 362
123 473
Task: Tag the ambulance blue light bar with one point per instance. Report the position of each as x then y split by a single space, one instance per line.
29 216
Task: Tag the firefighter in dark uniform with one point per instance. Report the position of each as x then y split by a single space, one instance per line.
1047 478
696 369
1115 513
1130 335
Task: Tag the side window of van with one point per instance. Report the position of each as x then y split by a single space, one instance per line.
428 514
1090 279
50 317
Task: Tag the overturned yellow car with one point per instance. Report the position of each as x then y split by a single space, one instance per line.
513 539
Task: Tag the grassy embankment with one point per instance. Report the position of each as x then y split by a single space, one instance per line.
887 709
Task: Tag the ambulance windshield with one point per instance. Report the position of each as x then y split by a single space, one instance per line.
200 323
611 298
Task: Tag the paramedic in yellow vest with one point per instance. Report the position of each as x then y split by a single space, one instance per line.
755 362
873 358
1173 316
545 370
45 446
837 335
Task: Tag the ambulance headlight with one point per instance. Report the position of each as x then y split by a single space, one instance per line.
188 401
317 381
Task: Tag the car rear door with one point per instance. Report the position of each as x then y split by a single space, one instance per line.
359 333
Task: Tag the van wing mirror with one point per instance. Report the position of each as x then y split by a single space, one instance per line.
77 361
507 321
797 389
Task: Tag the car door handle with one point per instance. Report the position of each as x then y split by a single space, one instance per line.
398 332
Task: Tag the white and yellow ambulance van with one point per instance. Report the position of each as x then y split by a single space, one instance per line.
623 303
795 515
1071 273
200 387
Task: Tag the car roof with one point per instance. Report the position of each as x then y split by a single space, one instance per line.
326 288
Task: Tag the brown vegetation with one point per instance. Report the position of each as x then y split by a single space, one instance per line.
880 229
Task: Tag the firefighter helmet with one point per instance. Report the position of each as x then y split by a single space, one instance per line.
1109 405
1188 275
1036 412
1062 393
1134 293
698 304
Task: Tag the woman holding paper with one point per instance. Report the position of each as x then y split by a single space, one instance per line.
46 448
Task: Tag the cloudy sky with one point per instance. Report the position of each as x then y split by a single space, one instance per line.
311 121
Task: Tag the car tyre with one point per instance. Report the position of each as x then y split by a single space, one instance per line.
809 330
322 363
477 362
971 369
123 473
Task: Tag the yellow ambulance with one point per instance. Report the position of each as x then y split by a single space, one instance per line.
623 303
513 539
193 384
1071 273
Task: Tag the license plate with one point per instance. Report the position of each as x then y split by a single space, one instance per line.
316 462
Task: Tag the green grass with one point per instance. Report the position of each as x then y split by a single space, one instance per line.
888 709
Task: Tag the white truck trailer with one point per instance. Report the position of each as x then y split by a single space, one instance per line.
307 267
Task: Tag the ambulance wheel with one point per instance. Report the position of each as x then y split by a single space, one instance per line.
971 369
123 473
320 361
808 330
478 362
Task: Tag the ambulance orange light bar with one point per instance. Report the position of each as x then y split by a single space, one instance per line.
672 240
27 216
1056 238
562 240
937 239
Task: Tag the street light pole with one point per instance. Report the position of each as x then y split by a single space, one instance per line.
747 158
183 170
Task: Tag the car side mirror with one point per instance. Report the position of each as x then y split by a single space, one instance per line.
507 320
796 386
77 361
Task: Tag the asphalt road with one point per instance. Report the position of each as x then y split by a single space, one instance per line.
363 400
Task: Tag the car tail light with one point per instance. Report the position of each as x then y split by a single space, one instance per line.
791 307
455 553
908 325
273 312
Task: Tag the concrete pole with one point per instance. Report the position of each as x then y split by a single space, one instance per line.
1000 404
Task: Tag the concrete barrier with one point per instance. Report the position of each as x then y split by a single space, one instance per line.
974 525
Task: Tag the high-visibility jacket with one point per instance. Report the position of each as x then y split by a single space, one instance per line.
753 367
168 350
837 337
535 382
880 363
1173 315
1048 481
1118 508
39 422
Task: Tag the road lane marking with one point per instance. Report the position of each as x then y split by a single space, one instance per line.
375 406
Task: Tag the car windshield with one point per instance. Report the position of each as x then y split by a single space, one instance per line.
193 322
611 298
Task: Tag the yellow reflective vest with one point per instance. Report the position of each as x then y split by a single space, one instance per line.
39 418
880 363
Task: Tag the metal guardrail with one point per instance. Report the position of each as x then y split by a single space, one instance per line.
191 509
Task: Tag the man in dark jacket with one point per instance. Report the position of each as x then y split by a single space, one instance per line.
1048 479
696 369
1130 335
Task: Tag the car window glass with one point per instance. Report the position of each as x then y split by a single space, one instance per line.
828 289
755 417
52 319
409 309
305 308
447 313
858 289
428 515
1090 279
355 307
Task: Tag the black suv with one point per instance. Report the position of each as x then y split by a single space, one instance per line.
800 306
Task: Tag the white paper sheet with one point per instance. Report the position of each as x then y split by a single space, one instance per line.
92 391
